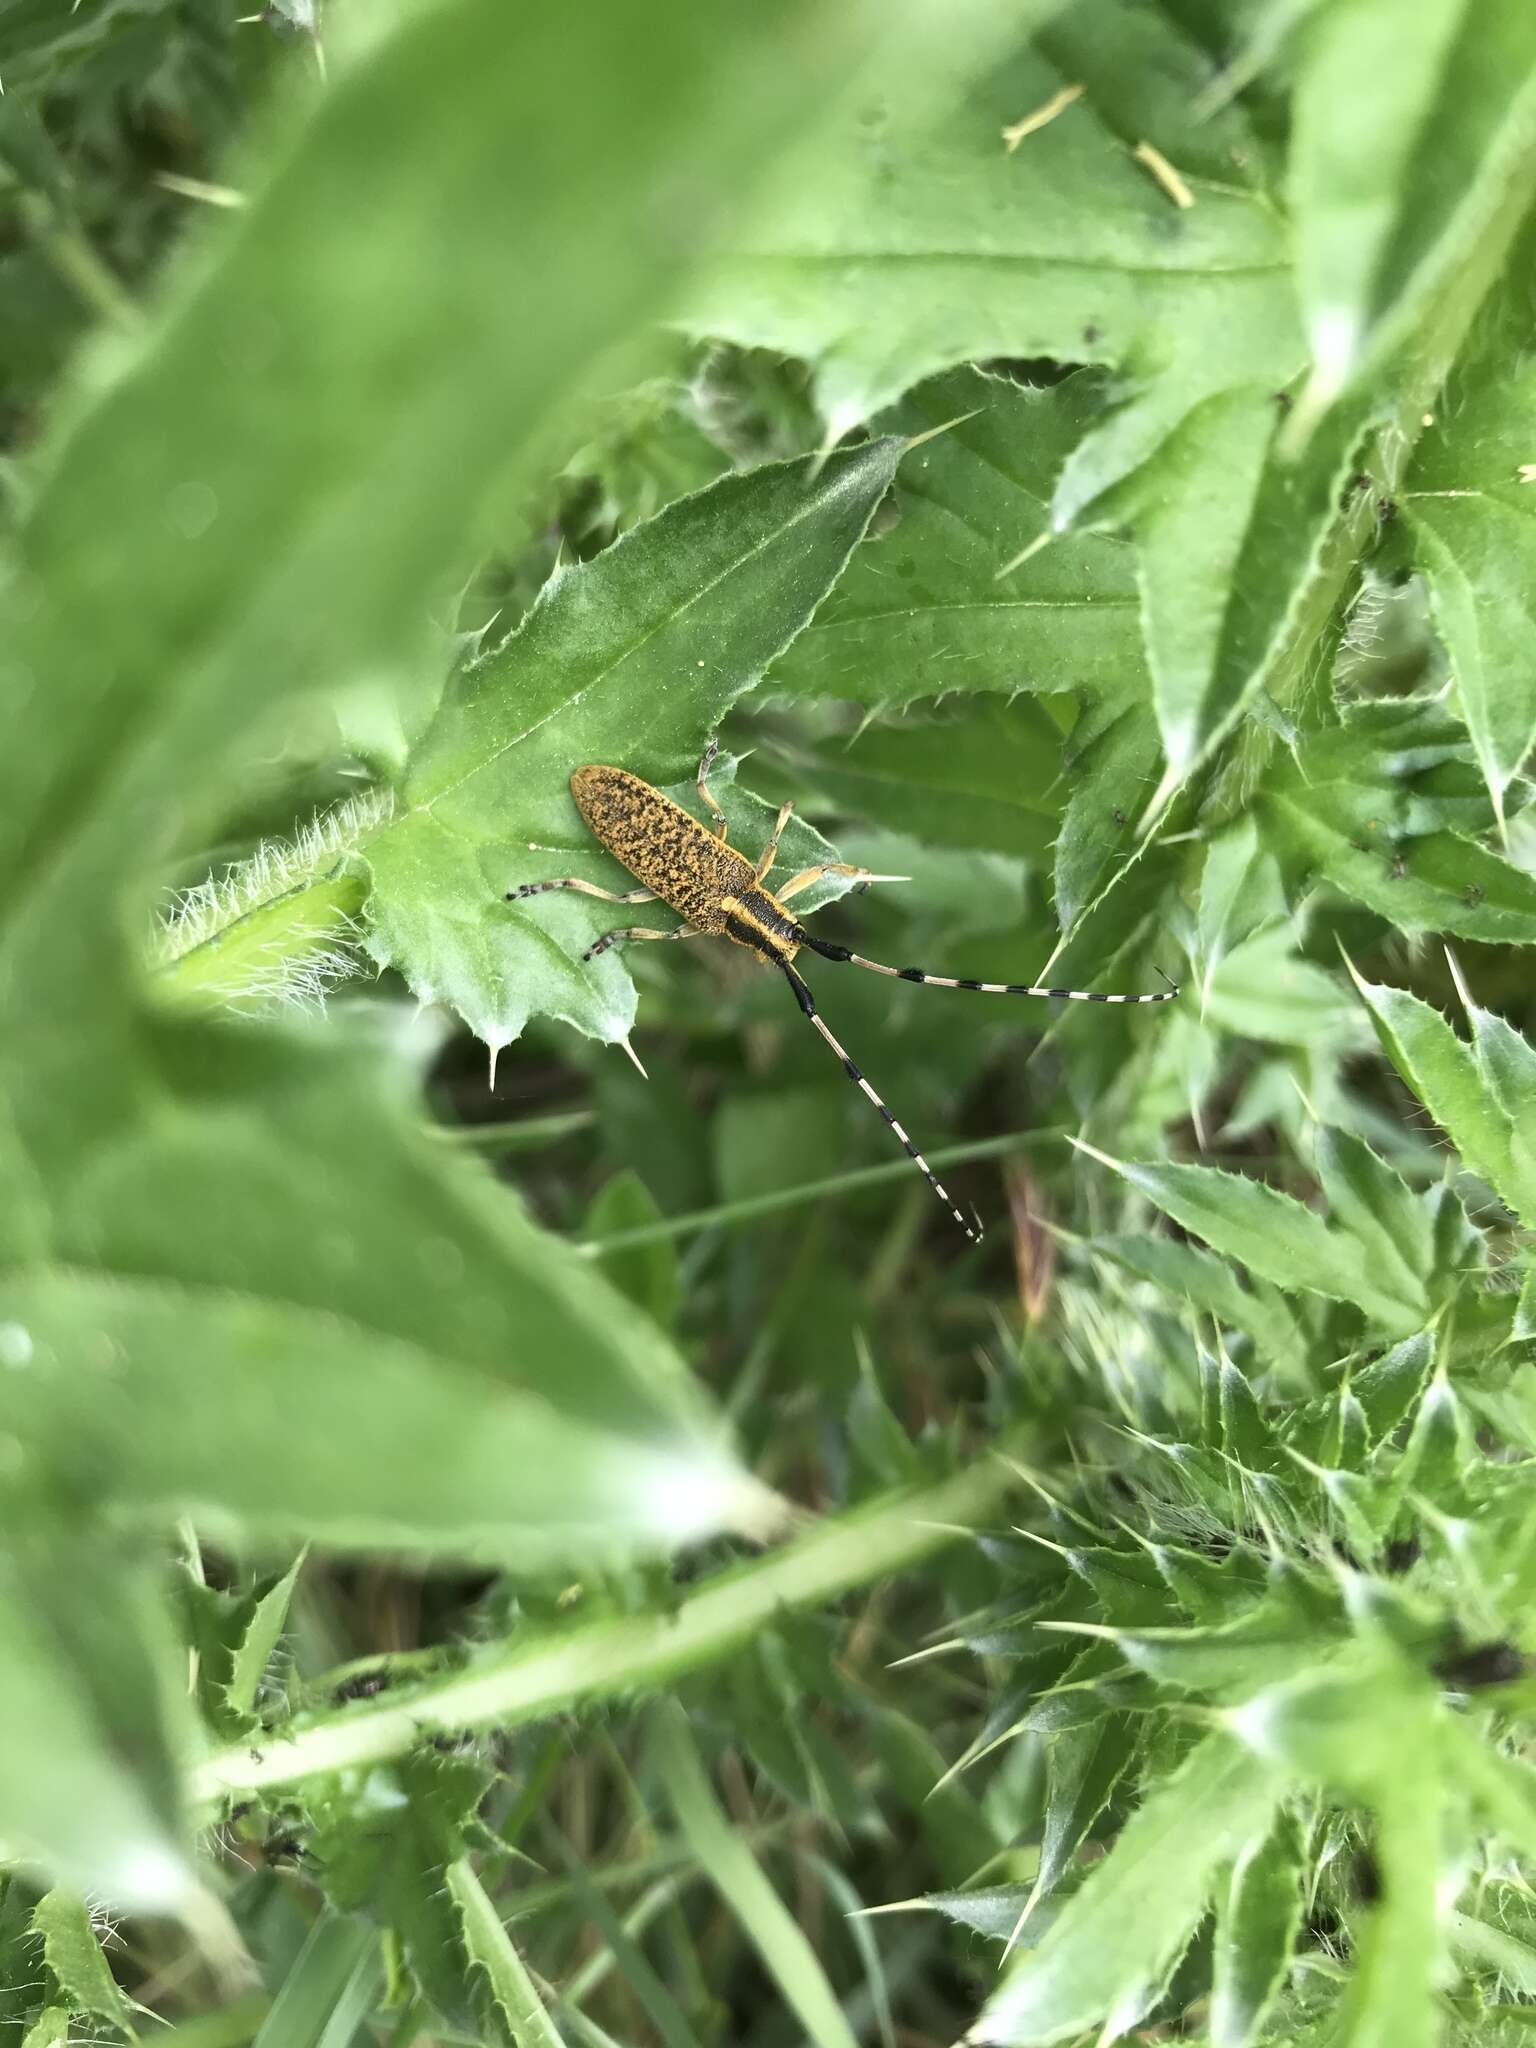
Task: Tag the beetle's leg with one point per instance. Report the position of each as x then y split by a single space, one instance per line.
706 796
636 931
765 863
829 951
808 876
584 888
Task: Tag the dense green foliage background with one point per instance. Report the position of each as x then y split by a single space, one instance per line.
501 1549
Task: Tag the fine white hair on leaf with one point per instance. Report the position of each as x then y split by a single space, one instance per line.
288 973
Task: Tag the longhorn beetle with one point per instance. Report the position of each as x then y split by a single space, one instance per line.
722 894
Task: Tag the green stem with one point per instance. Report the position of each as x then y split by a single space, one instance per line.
526 1681
524 1134
812 1191
63 241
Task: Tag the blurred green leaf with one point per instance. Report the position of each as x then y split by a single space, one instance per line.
630 660
89 1688
1112 758
1369 1728
1106 1955
1186 1273
645 1274
992 1910
1379 1210
51 2029
218 1232
329 1988
1258 1917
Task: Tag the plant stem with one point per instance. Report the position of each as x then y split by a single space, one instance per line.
525 1681
522 1134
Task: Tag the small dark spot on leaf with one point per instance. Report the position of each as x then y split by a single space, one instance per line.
1401 1554
1091 333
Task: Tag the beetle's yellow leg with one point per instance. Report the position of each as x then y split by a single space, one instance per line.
706 796
584 888
765 864
637 931
807 876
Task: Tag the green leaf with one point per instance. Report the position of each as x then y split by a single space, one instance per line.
915 248
1404 146
981 776
1229 1662
1369 1727
1390 2001
1085 1766
907 248
1473 529
211 1233
88 1683
646 1274
1381 807
1240 891
1106 1955
1258 1917
787 1955
1111 759
329 1990
920 611
1387 1388
1274 1236
73 1953
390 1854
51 2029
993 1911
1446 1076
262 1633
1261 989
1185 1272
479 1379
1378 1209
631 659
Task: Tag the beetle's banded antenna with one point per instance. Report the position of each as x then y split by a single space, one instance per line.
807 1003
984 988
